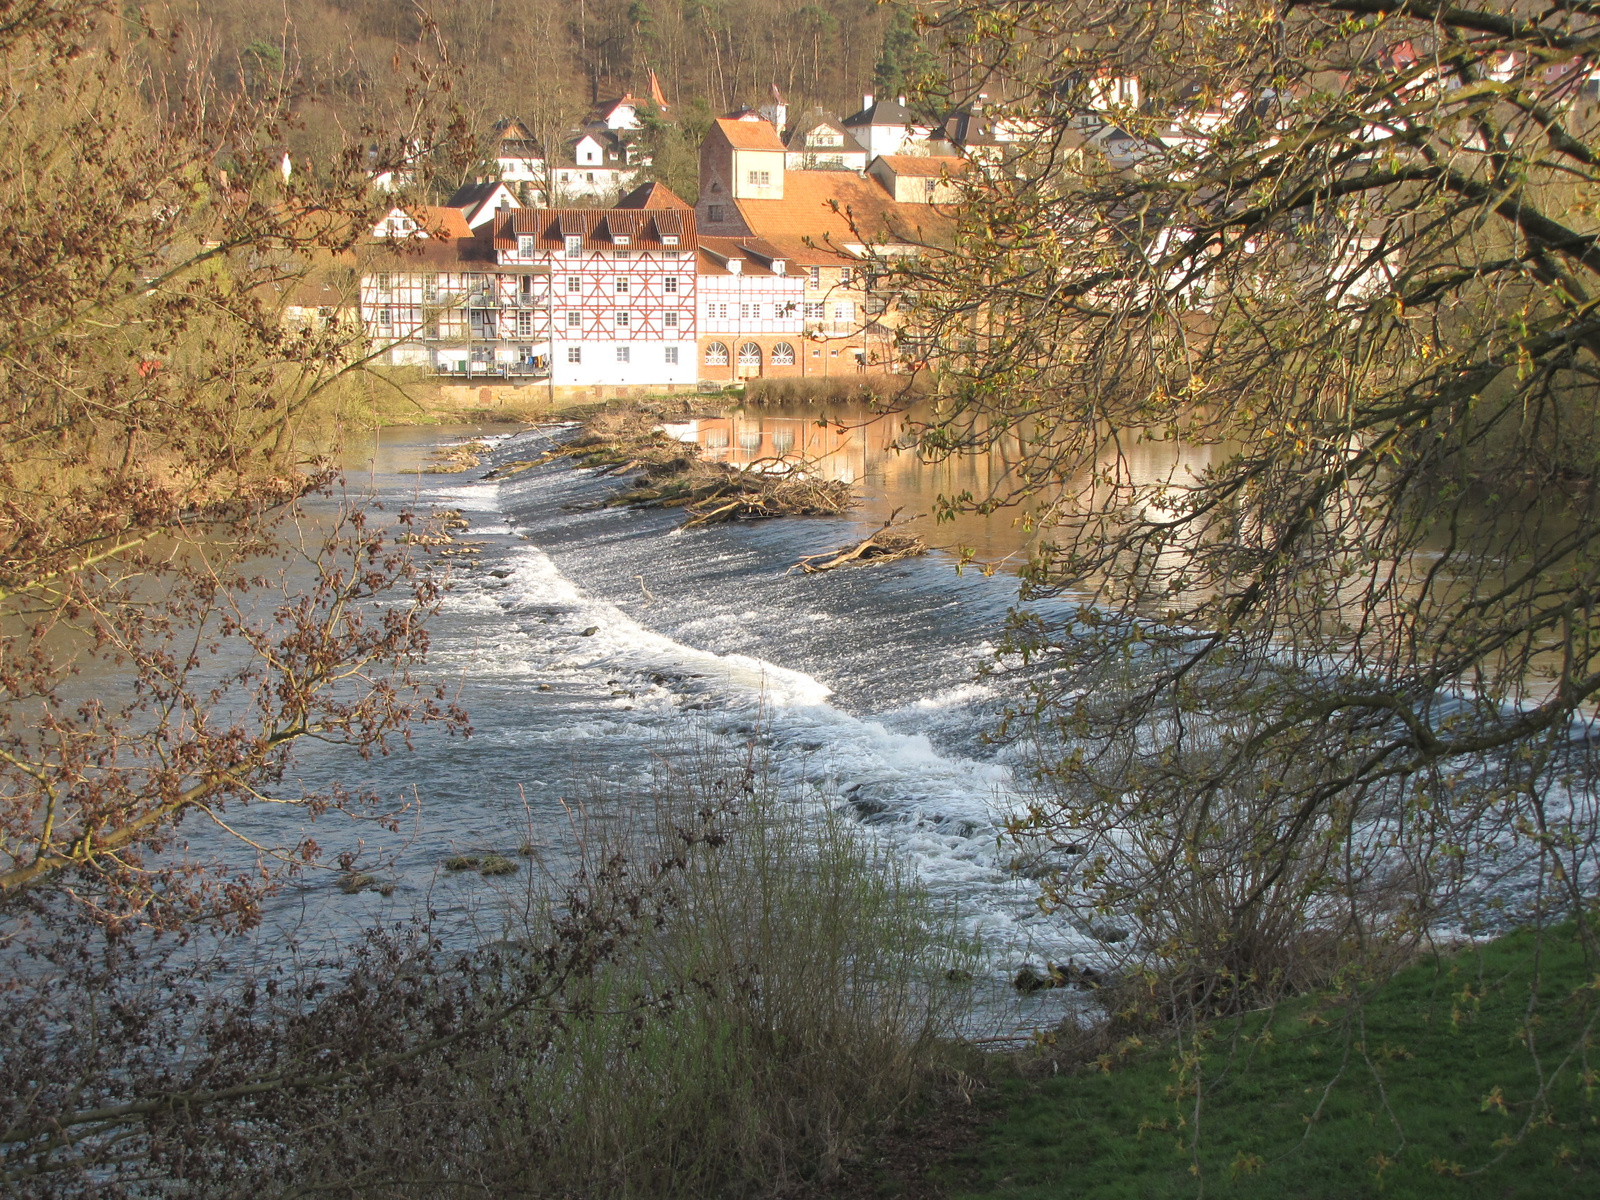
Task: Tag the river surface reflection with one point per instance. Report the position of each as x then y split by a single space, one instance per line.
876 453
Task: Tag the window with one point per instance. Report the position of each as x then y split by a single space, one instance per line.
669 285
670 356
574 354
844 312
384 285
749 355
844 276
574 319
622 255
622 285
623 318
589 176
759 178
527 245
526 287
623 353
669 320
814 310
816 277
385 317
574 245
430 287
714 212
716 355
671 253
574 285
783 355
789 309
746 311
431 330
524 324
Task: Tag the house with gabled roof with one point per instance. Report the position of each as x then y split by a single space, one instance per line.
617 305
480 200
517 153
818 142
918 178
886 126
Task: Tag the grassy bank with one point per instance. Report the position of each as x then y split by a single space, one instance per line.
1426 1087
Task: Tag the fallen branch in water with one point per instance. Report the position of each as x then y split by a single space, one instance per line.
881 546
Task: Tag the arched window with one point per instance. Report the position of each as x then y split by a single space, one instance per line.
716 355
750 355
783 355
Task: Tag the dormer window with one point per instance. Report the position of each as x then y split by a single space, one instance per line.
574 245
669 239
778 266
619 240
527 245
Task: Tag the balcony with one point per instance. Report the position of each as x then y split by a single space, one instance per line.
485 370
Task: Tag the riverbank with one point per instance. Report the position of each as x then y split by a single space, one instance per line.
1442 1082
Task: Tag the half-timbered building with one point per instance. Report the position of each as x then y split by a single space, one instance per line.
620 305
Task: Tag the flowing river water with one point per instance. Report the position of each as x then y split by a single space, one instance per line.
585 640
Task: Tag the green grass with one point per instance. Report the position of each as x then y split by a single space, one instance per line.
1443 1042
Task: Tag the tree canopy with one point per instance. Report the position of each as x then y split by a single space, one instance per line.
1292 310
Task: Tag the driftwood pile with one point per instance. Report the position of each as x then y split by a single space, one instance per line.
451 460
883 546
673 475
710 493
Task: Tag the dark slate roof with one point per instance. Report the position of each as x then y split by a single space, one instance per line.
469 196
884 112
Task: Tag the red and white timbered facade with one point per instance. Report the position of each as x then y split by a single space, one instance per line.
620 309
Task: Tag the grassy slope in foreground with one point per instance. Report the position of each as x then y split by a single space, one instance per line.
1443 1043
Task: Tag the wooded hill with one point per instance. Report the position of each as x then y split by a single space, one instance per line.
545 60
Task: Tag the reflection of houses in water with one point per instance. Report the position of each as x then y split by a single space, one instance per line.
834 451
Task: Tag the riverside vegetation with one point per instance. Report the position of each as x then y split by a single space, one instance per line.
1324 696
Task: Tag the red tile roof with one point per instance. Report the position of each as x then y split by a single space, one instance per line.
749 135
654 194
820 206
600 228
932 166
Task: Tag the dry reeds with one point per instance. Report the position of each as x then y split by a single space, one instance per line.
793 998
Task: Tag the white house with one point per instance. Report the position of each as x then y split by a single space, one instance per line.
886 127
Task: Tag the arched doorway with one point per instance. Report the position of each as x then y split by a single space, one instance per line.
749 360
716 355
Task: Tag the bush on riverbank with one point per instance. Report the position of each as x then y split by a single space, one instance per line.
833 389
725 997
791 1001
1442 1081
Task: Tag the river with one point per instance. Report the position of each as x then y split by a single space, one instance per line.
585 641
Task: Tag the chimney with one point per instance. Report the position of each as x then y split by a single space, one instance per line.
900 100
866 101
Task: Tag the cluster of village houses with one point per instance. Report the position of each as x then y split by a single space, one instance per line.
762 277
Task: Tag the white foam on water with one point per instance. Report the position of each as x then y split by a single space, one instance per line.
944 812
